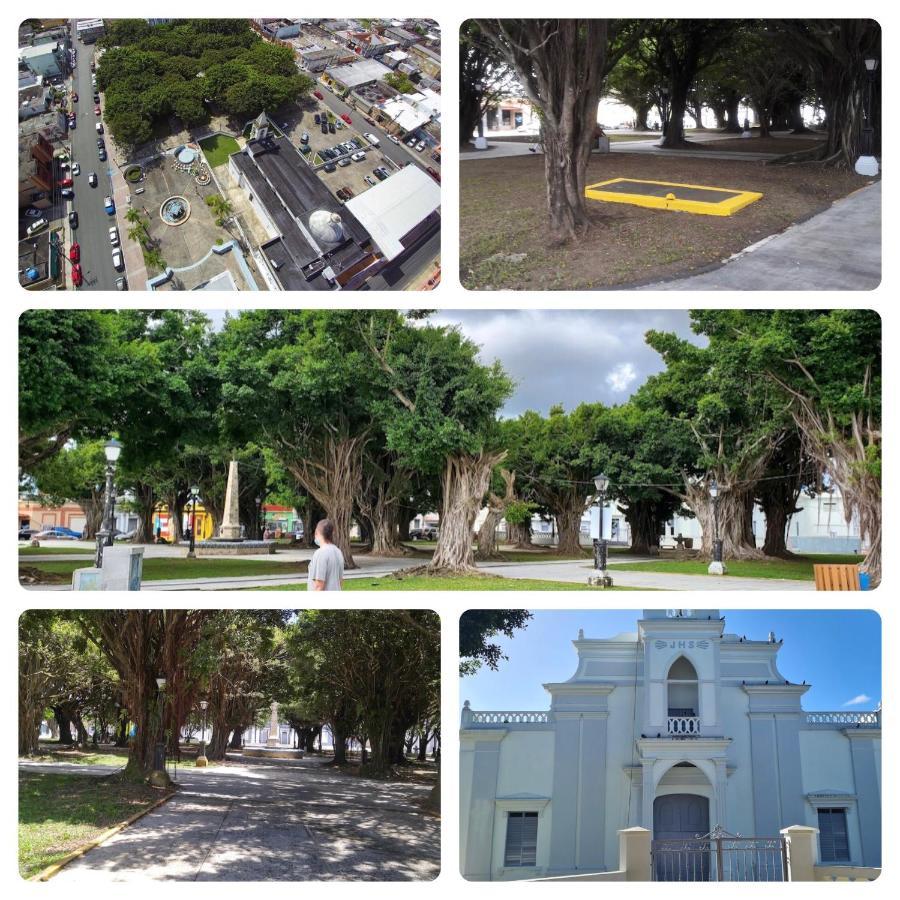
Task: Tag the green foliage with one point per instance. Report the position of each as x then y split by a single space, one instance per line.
400 82
477 627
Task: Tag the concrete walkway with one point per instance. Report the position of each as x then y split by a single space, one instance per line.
836 250
284 821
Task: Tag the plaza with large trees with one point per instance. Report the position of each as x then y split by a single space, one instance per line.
371 417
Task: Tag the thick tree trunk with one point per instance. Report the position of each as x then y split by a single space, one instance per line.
93 514
339 739
237 737
732 113
520 536
145 499
732 520
640 117
464 482
568 522
65 726
644 526
674 136
487 536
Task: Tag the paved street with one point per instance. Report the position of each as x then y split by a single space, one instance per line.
93 222
270 821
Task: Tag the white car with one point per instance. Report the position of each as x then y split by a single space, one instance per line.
92 179
76 169
117 259
114 236
34 227
371 139
394 138
420 146
358 157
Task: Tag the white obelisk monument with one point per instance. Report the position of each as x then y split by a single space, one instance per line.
272 740
230 529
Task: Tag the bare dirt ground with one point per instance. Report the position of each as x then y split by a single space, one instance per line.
503 222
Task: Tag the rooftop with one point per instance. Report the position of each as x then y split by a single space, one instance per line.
363 71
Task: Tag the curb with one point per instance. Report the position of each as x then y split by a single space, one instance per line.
50 871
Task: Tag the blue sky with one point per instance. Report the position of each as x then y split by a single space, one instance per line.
838 652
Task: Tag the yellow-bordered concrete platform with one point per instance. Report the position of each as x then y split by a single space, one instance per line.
693 198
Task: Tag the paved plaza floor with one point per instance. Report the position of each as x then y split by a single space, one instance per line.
269 821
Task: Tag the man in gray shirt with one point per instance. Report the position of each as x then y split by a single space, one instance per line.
326 568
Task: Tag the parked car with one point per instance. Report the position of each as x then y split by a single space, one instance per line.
331 128
341 194
58 533
324 128
380 173
118 265
97 110
330 167
394 138
73 219
74 96
109 206
371 139
72 122
76 168
32 213
435 175
420 146
92 179
35 227
304 149
347 118
66 182
96 98
114 236
411 142
317 119
121 283
75 252
358 157
27 533
77 276
101 154
427 533
318 95
67 193
370 180
101 143
344 161
99 128
304 138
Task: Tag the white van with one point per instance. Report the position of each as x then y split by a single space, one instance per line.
371 139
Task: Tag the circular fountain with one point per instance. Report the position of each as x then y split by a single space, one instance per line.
175 210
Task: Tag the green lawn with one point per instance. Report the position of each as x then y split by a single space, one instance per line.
460 583
54 551
58 813
163 568
218 147
108 756
798 569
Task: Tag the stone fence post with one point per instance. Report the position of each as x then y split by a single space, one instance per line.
801 852
634 853
466 718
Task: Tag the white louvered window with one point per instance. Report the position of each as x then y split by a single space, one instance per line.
833 843
521 839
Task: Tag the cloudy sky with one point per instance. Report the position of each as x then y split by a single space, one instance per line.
563 356
569 356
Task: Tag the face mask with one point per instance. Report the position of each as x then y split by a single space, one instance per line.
316 542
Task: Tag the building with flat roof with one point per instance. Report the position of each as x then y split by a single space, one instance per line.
315 243
398 212
411 111
358 74
47 60
88 30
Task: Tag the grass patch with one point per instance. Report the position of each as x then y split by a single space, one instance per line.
503 220
218 147
51 752
54 551
60 812
162 568
798 569
452 583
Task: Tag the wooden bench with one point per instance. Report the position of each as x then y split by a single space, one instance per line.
837 577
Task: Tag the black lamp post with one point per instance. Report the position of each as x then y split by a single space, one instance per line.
112 449
194 492
601 483
201 759
260 521
716 567
159 754
867 164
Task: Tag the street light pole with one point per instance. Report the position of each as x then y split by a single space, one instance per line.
602 577
202 761
717 566
867 164
111 449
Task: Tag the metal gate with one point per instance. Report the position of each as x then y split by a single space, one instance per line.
719 856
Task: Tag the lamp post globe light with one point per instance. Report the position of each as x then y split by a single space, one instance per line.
112 450
601 577
202 761
867 164
194 492
159 750
717 566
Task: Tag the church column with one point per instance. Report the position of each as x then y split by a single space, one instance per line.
721 786
566 758
864 754
647 794
592 795
478 862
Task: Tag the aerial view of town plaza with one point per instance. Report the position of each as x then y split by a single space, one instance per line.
229 154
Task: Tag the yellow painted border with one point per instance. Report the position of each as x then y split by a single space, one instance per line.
50 871
698 207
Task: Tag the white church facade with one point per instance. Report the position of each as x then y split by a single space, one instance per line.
680 728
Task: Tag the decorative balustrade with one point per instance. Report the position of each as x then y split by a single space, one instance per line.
471 718
844 719
683 726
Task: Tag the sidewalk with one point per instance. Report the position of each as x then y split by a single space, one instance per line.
836 250
132 254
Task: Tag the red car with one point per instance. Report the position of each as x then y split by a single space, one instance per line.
75 252
74 97
318 94
347 118
96 110
77 277
66 182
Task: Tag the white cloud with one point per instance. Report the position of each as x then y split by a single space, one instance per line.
621 377
857 700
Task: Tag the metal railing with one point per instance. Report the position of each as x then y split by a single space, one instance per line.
719 856
683 726
844 719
